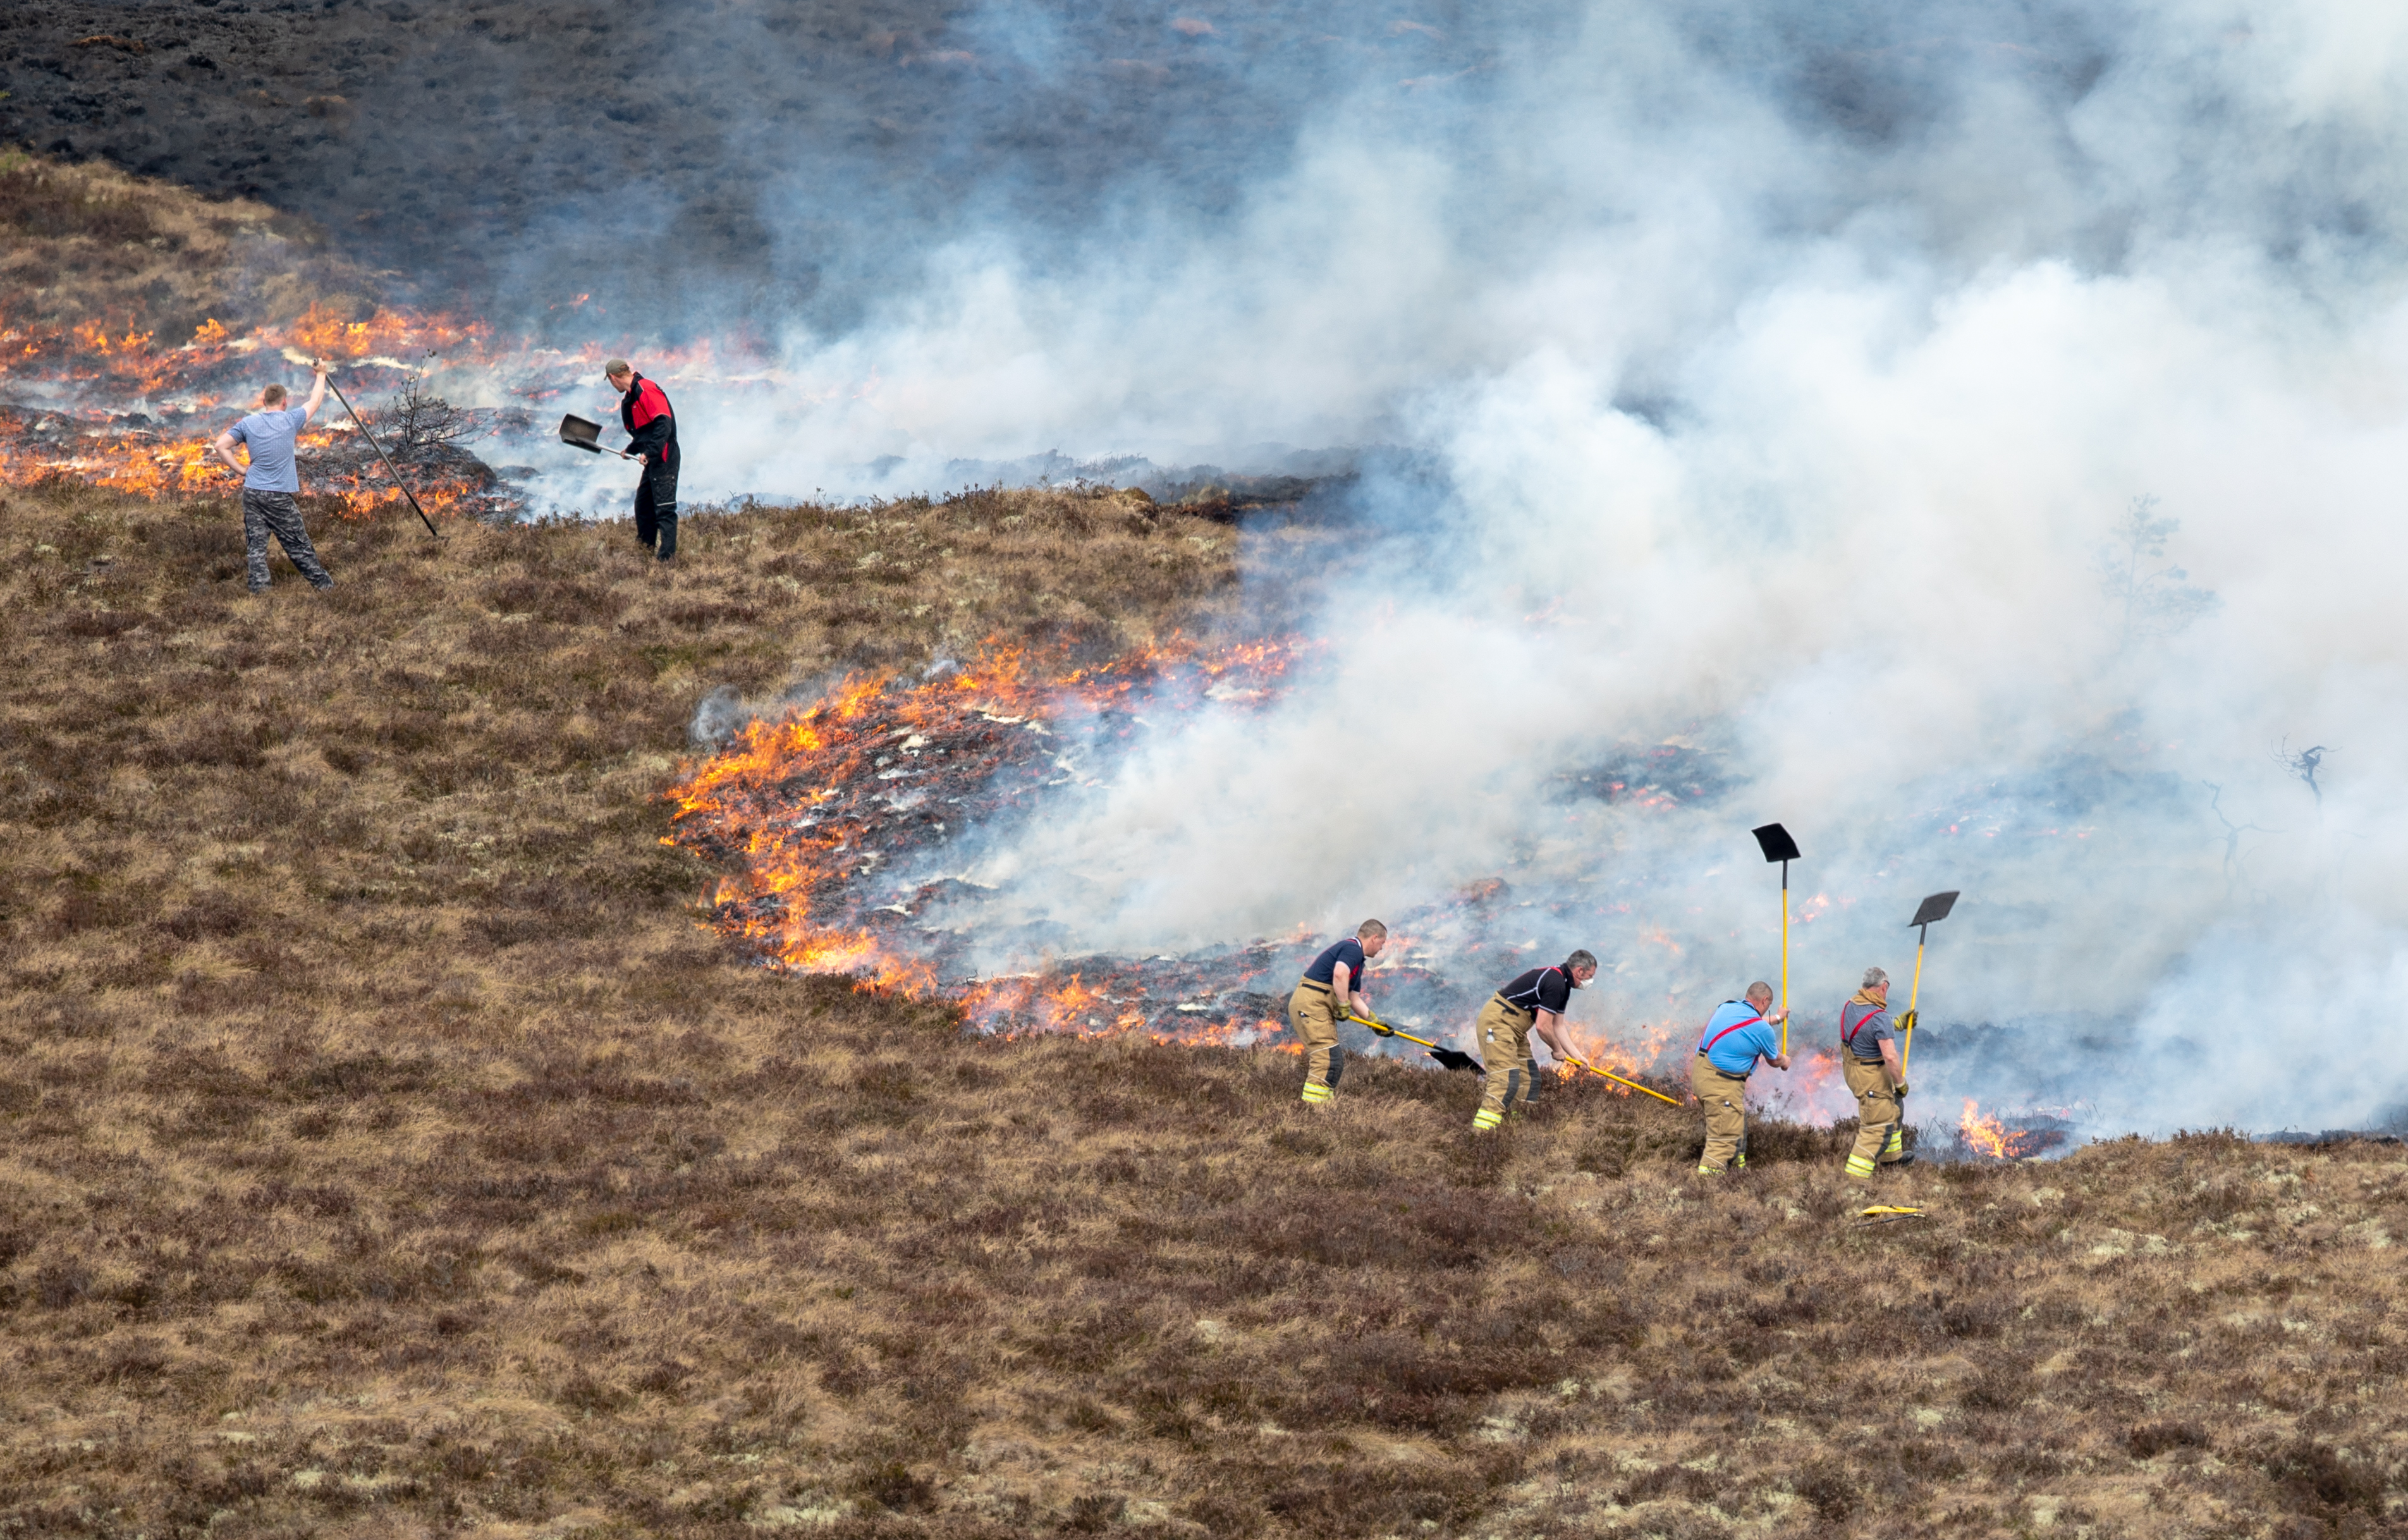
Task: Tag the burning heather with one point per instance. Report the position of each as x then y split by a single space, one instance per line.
123 408
837 813
842 816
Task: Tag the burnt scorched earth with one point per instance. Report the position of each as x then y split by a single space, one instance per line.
837 815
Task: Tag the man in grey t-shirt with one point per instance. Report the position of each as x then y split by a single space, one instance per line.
271 482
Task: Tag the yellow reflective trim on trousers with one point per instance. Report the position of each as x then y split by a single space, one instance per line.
1710 1170
1318 1093
1859 1166
1740 1159
1896 1142
1483 1118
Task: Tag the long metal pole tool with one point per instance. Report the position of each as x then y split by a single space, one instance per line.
1619 1081
1927 915
372 444
1777 845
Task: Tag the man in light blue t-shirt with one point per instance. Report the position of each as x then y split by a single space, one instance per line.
271 483
1737 1034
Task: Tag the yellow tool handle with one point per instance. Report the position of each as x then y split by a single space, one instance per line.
1619 1081
1386 1030
1906 1052
1785 959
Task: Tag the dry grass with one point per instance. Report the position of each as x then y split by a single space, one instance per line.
87 243
389 1152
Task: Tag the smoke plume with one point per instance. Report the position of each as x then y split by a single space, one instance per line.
1770 389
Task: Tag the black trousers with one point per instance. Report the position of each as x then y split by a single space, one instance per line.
656 510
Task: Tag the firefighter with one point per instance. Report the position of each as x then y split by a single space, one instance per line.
651 437
1330 991
1869 1058
1737 1034
1501 1036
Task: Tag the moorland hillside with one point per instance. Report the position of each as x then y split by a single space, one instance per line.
389 1148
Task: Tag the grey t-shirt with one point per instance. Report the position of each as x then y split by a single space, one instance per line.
1863 1029
270 436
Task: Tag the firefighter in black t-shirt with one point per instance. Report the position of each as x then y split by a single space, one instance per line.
1502 1036
1330 991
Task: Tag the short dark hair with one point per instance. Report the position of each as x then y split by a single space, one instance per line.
1759 988
272 394
1370 930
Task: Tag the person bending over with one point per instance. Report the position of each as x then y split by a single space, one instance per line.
651 437
271 483
1330 991
1503 1033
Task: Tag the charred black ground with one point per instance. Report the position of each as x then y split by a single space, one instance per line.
700 163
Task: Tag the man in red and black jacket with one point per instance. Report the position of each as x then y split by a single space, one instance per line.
652 437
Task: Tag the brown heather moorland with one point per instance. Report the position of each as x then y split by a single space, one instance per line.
389 1150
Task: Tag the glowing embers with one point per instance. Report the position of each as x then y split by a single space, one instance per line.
831 811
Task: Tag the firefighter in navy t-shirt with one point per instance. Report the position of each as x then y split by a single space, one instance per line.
1330 991
1502 1034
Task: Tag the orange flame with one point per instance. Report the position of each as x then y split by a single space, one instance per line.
111 371
1984 1134
804 804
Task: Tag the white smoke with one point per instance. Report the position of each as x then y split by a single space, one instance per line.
1782 390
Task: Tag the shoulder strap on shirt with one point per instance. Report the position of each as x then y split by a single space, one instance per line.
1707 1046
1849 1037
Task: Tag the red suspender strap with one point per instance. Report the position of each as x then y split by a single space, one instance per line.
1849 1037
1708 1047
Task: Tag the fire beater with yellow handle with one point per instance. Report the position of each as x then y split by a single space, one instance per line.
1452 1059
1619 1081
1777 845
1927 915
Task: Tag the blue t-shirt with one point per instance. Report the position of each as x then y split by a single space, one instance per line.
1349 952
270 436
1736 1053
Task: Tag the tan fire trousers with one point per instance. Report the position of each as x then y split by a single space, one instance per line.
1312 1011
1880 1139
1724 1097
1501 1037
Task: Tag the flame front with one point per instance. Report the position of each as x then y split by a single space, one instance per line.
811 806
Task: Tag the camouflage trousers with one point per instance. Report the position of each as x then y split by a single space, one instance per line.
276 513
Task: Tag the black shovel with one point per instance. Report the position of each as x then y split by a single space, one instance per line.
578 432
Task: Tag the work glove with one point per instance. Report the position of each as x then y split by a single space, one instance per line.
1376 1025
1900 1091
1906 1022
